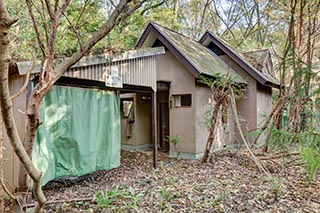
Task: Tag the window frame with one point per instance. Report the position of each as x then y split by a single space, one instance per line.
122 106
175 96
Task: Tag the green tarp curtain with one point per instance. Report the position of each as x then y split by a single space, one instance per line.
79 134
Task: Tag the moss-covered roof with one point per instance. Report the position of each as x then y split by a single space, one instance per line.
257 60
201 58
266 77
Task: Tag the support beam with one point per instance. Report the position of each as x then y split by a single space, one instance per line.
154 129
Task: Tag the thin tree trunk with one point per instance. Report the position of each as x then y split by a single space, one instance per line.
6 107
200 27
237 122
47 79
213 127
175 13
1 168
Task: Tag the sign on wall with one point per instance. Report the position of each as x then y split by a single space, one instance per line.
114 80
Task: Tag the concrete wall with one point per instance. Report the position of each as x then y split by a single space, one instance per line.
264 106
224 136
247 105
182 120
204 101
11 161
141 128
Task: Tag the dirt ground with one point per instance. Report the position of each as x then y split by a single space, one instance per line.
231 183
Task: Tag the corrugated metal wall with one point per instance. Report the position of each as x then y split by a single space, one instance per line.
11 164
138 71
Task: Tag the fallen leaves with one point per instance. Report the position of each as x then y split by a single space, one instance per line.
231 183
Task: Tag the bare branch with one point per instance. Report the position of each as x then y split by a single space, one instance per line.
7 190
113 21
44 20
74 30
63 8
25 85
80 14
36 28
152 7
236 119
49 9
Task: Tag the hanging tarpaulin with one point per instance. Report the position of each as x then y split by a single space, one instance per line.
79 134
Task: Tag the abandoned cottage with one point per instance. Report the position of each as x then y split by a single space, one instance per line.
135 100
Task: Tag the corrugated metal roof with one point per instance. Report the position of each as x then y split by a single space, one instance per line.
136 67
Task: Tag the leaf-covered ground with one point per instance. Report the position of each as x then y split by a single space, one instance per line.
230 184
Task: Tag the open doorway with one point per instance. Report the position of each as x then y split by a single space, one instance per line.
163 114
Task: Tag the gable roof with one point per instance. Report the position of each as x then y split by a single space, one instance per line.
263 78
196 57
256 58
261 60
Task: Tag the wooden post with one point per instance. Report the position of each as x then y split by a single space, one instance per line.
154 129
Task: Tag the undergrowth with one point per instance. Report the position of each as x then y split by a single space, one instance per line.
307 143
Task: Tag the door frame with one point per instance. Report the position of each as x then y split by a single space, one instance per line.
163 114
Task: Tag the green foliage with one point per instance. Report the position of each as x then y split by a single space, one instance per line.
311 160
221 81
284 139
104 198
81 17
174 139
128 198
217 199
309 143
274 184
206 122
165 195
6 196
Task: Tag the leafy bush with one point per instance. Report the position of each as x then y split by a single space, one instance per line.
311 160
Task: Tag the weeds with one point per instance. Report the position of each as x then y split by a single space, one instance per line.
175 140
217 199
127 198
309 143
310 157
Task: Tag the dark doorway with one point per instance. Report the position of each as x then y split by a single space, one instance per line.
163 114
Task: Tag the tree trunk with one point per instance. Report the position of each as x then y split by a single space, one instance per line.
237 122
213 127
6 106
48 77
1 168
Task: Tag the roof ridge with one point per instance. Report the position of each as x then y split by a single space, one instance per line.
262 78
254 51
198 58
159 25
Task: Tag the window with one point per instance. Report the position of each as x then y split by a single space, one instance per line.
182 100
126 105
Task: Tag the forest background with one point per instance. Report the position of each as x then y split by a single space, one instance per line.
290 29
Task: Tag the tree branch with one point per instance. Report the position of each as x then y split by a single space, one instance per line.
26 81
73 30
7 110
96 37
36 28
